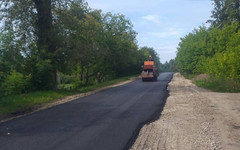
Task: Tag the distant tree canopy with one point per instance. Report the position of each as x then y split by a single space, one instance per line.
225 12
169 66
215 50
41 39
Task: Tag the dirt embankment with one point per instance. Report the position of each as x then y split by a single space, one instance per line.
195 119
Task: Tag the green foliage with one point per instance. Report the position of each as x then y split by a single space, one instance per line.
21 103
216 52
169 66
225 12
40 39
10 54
103 46
67 79
224 64
219 85
42 75
190 49
189 76
15 83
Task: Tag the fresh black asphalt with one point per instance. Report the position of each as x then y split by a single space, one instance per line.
107 120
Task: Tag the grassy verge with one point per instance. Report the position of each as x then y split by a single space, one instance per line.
16 104
219 86
204 81
189 76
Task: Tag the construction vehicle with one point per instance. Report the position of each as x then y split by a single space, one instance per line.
150 72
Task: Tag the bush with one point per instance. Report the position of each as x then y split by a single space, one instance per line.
219 85
68 79
15 83
43 75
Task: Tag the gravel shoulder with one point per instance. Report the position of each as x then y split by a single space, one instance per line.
194 118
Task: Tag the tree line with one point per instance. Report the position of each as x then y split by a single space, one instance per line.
169 66
215 50
41 40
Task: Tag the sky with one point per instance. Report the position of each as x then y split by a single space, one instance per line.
160 23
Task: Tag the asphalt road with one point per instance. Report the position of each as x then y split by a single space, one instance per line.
107 120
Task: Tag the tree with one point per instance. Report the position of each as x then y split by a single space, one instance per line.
70 37
169 66
120 44
225 12
33 22
191 50
10 55
214 52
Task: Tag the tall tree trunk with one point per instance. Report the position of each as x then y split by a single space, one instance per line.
44 25
45 34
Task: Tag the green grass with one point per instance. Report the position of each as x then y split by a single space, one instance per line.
20 103
189 76
219 86
103 84
215 85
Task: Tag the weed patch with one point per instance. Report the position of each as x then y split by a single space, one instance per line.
219 86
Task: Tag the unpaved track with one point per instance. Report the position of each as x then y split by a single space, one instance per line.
193 119
106 120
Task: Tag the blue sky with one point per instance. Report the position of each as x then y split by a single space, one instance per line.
160 23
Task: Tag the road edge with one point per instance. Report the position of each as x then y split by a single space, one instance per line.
64 100
157 114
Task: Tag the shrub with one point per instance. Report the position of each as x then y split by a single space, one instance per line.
15 83
43 75
68 79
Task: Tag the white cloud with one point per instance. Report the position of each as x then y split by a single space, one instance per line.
160 23
152 18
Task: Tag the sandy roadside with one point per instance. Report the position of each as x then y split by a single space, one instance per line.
193 118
